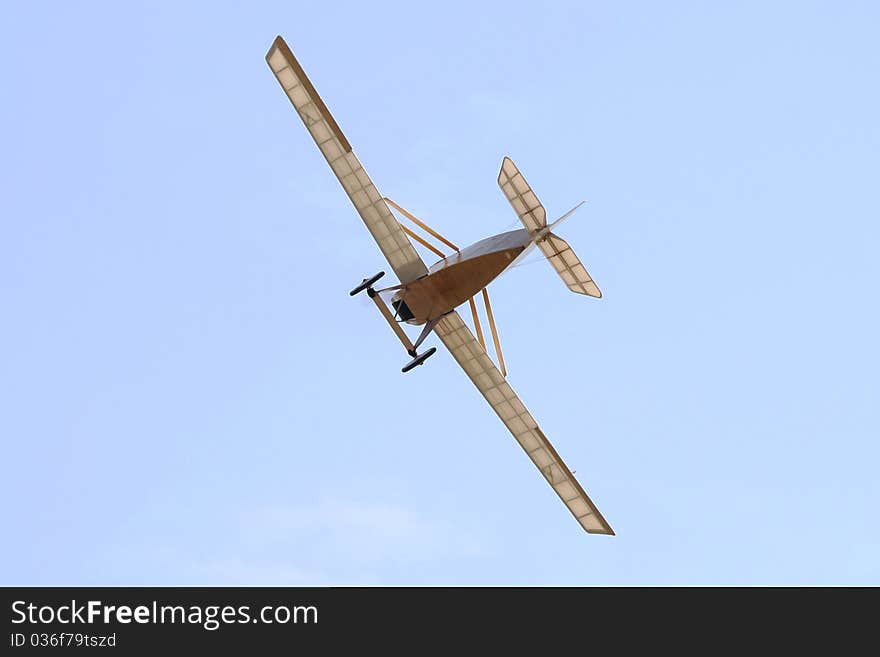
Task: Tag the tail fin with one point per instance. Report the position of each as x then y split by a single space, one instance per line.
534 218
568 266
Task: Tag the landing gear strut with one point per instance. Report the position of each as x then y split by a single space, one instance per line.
418 358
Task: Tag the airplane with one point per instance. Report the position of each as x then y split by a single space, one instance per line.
428 297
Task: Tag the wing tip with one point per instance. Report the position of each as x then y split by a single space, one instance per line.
502 174
594 522
506 165
602 532
278 43
583 289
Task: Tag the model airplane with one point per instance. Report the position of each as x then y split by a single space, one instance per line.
429 296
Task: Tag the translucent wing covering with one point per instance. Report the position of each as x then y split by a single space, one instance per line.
568 266
501 397
521 197
357 184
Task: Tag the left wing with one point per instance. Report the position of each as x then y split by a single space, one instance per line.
367 200
478 366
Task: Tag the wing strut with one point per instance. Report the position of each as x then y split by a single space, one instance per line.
477 323
421 240
421 224
494 333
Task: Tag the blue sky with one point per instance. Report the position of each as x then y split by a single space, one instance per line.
191 397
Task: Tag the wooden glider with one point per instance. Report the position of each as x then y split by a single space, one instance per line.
428 297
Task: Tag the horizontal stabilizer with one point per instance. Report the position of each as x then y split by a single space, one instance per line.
526 205
568 266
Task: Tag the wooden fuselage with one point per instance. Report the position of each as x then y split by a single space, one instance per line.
453 280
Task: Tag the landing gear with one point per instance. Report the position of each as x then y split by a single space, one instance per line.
367 284
411 349
419 359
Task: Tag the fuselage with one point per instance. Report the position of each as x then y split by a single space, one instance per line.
455 279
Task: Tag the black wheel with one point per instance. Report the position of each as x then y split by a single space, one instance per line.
366 283
418 360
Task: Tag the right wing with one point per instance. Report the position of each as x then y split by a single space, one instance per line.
526 205
477 365
367 200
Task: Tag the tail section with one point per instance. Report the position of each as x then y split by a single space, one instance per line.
533 216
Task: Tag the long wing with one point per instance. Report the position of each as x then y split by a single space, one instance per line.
521 197
478 366
367 200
